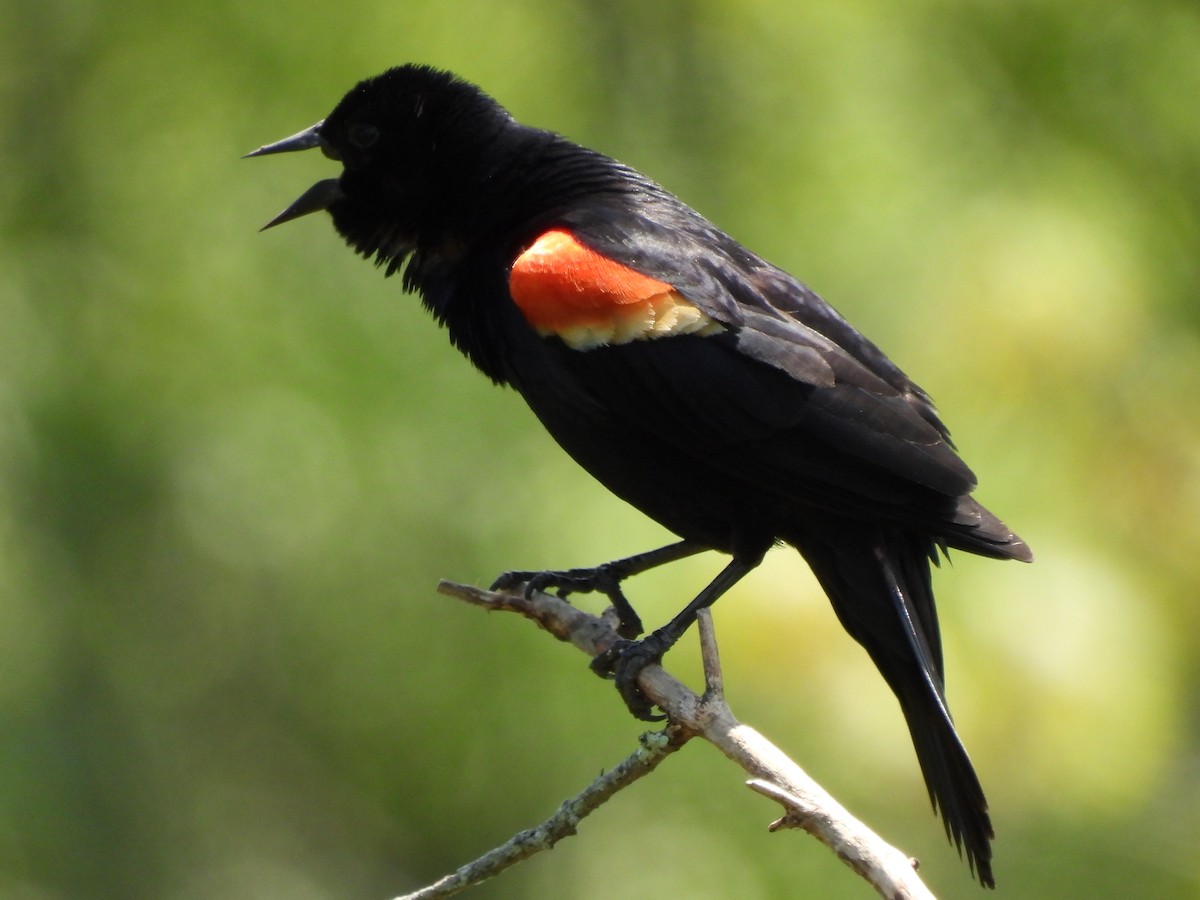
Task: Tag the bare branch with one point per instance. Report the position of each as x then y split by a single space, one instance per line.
714 681
806 804
655 747
888 870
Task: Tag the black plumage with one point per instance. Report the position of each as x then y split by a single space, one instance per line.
772 421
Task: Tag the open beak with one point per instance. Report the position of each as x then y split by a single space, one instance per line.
301 140
321 195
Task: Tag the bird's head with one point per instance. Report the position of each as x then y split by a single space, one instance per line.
411 142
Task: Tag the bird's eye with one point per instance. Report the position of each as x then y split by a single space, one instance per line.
362 135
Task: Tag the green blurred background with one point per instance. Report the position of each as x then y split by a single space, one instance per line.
233 466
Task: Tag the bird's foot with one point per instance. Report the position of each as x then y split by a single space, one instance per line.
623 662
605 579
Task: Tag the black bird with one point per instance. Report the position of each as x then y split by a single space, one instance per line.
698 382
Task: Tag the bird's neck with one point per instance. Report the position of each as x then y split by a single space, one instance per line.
461 272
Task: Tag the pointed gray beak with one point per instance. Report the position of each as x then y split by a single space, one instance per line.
301 140
321 195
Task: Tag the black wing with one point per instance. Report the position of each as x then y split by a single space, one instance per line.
838 388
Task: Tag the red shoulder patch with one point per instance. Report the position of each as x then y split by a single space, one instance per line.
560 283
566 289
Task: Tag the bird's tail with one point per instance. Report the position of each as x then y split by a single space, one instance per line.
880 589
975 529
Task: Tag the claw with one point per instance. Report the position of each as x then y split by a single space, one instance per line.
509 580
602 579
623 662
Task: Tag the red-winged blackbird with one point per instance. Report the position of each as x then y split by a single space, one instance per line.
703 385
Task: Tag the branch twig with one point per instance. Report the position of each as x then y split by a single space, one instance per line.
655 746
806 804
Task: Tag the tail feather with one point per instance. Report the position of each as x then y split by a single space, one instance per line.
880 588
975 529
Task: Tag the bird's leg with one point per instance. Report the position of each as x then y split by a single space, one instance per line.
605 579
625 659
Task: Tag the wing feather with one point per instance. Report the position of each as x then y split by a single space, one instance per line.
786 369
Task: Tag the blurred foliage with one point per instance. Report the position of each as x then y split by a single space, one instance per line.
233 466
